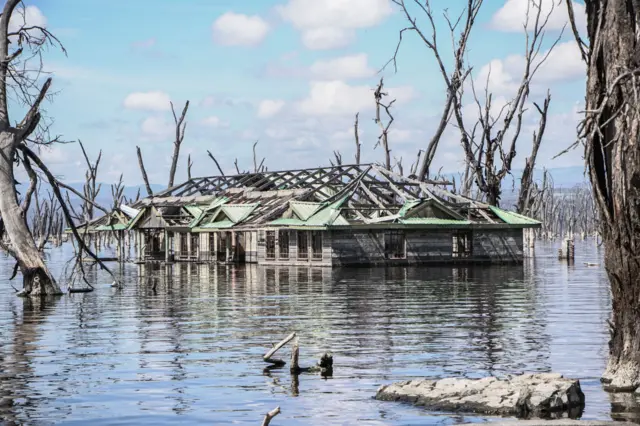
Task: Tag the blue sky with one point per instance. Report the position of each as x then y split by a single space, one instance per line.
289 73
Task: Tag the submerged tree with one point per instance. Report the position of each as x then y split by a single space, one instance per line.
611 132
20 46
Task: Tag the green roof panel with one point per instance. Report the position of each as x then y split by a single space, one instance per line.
513 218
304 209
238 212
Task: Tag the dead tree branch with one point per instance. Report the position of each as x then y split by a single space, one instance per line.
383 139
181 126
215 161
357 139
144 172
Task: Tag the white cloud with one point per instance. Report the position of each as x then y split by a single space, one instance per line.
342 68
148 101
339 98
214 122
326 38
270 107
236 29
512 16
156 128
563 63
330 24
30 16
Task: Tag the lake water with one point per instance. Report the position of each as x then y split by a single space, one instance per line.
185 345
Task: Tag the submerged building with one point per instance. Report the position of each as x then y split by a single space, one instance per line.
328 216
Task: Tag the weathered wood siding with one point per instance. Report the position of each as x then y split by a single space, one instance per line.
499 245
429 245
351 247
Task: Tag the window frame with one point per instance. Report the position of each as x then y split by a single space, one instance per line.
395 244
284 251
270 245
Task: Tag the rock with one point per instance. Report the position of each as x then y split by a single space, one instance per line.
524 396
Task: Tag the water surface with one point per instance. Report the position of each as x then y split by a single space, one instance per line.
185 344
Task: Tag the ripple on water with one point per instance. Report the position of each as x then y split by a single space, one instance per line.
191 350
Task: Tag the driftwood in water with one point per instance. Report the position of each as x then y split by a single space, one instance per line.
270 415
268 355
295 355
324 365
80 290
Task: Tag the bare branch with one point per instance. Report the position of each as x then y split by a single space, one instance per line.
357 138
215 161
144 172
181 126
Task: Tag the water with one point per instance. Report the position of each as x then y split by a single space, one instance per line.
187 346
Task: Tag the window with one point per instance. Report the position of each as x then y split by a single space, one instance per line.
195 243
303 245
271 244
316 244
283 244
394 245
184 248
212 243
462 244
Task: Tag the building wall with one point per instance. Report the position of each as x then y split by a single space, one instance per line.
500 245
367 247
293 258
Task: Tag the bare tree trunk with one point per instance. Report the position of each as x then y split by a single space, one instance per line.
37 280
144 172
612 130
181 126
524 197
357 137
383 139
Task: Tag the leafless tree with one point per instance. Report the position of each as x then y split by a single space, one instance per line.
91 188
181 126
216 162
490 146
491 156
610 132
356 134
189 165
144 172
256 167
20 49
453 78
383 139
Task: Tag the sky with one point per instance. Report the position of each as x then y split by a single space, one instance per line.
290 74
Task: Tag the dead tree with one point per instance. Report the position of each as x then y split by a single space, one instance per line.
216 162
356 134
144 172
189 165
491 157
257 167
15 46
181 126
524 197
610 132
383 139
90 189
453 78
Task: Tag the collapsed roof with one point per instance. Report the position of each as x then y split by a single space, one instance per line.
326 197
